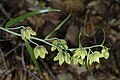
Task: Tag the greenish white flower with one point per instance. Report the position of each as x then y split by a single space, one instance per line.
27 32
40 51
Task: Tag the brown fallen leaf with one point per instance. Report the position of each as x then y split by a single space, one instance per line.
76 6
46 75
65 76
9 77
72 34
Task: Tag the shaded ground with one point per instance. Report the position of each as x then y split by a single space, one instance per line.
87 16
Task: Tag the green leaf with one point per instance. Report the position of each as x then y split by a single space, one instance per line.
58 27
22 17
105 53
67 58
31 53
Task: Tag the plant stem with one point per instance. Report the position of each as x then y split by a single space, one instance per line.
104 37
14 33
33 42
72 49
42 40
87 63
17 34
58 27
16 28
79 40
31 53
93 46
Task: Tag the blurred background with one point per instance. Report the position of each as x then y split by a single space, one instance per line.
87 16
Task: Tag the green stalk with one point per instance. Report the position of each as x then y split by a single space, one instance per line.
17 34
29 48
31 53
58 27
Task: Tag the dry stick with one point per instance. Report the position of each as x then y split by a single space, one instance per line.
2 55
45 65
47 68
4 12
29 72
32 74
86 18
5 68
22 55
92 28
12 50
8 71
23 62
1 40
24 67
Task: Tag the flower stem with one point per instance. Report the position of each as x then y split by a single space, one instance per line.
17 34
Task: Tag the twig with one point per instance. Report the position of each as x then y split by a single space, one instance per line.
29 72
4 12
2 55
4 68
91 22
37 78
86 18
22 55
8 71
47 68
12 49
4 40
34 38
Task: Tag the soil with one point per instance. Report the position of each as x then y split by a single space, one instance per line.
87 16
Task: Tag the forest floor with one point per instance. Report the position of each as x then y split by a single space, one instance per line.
87 16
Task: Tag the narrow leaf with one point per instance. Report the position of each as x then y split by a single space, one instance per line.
22 17
58 27
31 53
